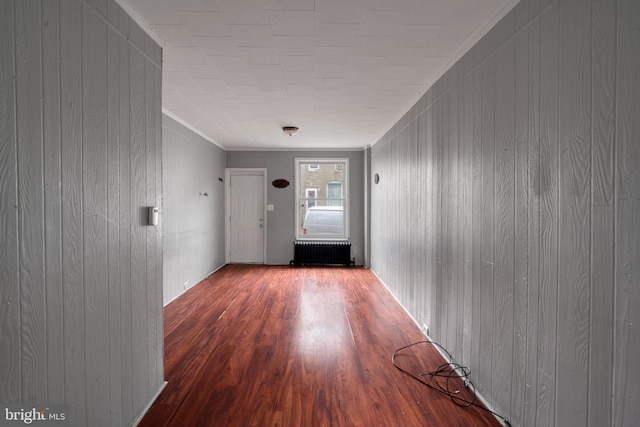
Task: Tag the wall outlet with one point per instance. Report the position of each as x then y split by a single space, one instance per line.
425 329
186 285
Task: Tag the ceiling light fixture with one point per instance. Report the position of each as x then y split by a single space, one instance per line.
290 130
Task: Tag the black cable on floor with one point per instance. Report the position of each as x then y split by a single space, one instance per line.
448 371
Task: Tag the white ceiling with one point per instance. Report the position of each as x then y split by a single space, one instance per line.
343 71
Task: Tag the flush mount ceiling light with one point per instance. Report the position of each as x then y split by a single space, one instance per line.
290 130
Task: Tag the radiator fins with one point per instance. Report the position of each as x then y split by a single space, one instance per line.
322 253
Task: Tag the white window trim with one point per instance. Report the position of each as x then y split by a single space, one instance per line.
345 196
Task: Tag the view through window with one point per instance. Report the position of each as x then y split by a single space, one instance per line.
321 189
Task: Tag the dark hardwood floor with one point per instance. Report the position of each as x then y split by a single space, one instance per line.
257 345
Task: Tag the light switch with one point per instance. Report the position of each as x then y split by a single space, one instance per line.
269 207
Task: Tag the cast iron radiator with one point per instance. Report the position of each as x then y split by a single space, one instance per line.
321 253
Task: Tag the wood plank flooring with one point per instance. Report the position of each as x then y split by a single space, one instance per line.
257 345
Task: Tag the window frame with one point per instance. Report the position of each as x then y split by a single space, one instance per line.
298 188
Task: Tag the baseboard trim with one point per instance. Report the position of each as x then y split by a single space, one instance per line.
197 281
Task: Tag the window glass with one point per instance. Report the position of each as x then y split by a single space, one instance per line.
334 194
321 211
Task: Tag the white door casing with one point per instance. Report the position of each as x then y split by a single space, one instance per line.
246 216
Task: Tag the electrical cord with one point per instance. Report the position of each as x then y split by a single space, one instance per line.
446 371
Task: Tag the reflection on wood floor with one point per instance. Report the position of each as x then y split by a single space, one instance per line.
257 345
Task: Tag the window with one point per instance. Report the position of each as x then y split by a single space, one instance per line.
321 202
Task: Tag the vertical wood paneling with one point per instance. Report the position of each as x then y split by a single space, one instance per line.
151 238
126 216
466 211
139 326
414 203
533 226
602 214
30 200
574 252
52 201
113 227
454 283
554 212
522 196
438 319
158 370
94 160
71 116
476 185
10 373
547 339
487 300
66 331
430 220
504 222
423 226
447 266
626 410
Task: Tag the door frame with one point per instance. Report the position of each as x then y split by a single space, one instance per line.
228 173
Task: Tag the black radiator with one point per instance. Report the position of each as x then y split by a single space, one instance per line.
321 253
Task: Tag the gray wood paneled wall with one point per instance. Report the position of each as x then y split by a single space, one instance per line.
193 236
507 217
80 159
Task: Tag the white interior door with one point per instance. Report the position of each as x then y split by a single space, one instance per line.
246 218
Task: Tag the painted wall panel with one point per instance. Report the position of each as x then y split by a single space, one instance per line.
10 375
30 201
504 220
627 220
574 252
67 216
603 51
113 226
125 215
53 199
548 170
137 104
548 303
487 235
71 116
94 218
533 223
193 223
158 369
521 220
